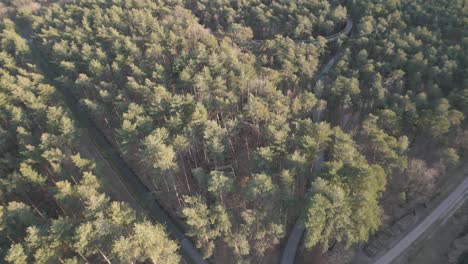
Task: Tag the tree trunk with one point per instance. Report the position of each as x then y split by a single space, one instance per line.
105 257
248 150
83 257
177 193
167 185
185 174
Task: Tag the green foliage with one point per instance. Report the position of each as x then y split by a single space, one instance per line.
220 183
16 255
383 149
156 153
344 203
451 157
190 90
12 43
344 91
205 224
260 186
297 19
344 209
52 207
312 138
214 137
146 242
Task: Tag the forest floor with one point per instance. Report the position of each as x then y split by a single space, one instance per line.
111 182
314 256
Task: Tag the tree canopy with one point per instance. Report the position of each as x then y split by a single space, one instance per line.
239 116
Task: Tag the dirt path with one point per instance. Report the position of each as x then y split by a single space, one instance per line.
112 157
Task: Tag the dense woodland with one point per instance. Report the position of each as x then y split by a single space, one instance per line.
52 208
220 109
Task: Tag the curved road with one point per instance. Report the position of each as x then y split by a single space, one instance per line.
445 208
328 39
294 239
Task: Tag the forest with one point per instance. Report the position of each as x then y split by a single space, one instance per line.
223 111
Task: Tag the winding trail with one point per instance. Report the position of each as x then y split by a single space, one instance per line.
345 31
453 201
297 232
